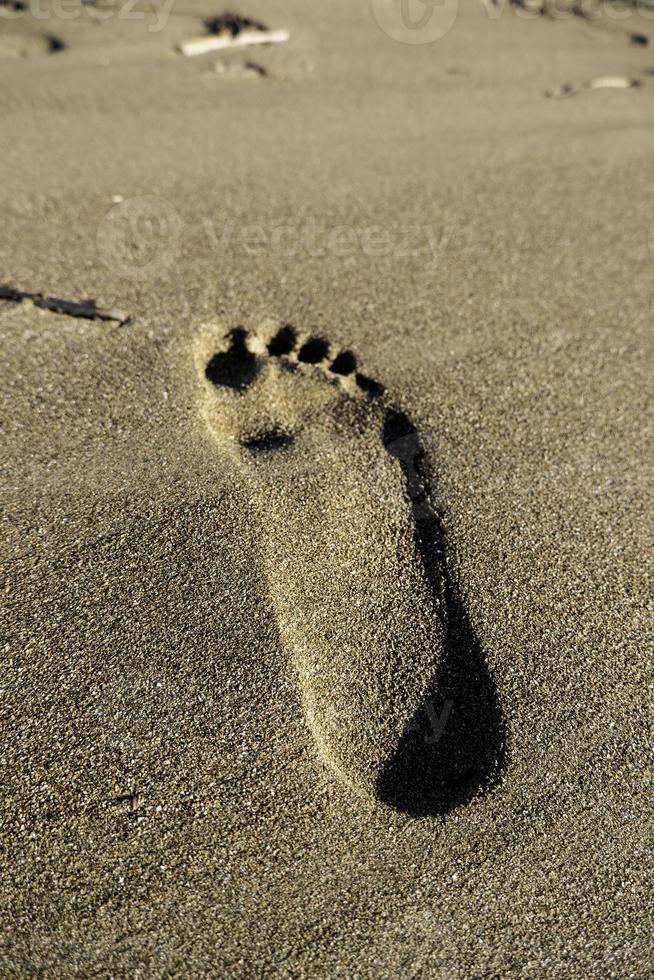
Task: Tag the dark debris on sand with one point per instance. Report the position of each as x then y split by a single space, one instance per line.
233 23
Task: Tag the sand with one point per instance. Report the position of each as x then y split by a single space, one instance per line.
235 616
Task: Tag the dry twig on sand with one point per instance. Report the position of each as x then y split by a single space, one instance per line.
232 31
219 42
87 308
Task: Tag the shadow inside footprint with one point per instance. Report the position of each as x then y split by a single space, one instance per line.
454 745
235 367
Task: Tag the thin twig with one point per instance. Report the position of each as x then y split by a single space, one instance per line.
87 309
219 42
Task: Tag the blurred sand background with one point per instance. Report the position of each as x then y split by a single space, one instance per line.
163 810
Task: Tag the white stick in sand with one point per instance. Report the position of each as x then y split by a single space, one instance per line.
613 81
218 42
608 81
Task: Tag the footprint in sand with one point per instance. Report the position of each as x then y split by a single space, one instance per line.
393 681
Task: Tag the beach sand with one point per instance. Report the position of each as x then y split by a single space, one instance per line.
303 677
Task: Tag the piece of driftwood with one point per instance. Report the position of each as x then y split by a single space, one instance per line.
225 40
613 81
607 81
86 309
